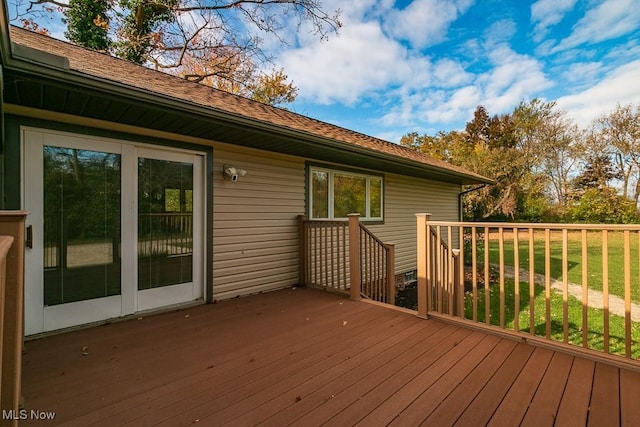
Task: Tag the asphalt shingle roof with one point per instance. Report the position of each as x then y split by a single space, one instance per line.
107 68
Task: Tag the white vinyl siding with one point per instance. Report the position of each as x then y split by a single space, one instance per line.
255 229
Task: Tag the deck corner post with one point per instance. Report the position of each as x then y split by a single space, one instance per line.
302 250
422 240
12 223
391 273
354 256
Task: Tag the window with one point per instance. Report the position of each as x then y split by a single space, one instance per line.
335 194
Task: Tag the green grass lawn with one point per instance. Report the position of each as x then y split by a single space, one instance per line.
574 258
595 328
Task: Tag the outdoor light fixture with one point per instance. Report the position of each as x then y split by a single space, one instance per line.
233 173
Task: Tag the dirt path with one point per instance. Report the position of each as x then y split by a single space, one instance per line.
596 298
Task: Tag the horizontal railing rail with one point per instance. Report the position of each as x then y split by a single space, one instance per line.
576 284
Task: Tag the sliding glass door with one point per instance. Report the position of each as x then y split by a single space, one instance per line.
116 229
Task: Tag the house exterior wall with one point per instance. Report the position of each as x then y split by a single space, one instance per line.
254 221
255 232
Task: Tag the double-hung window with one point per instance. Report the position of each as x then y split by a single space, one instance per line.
334 194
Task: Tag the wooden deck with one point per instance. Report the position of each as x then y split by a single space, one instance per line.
308 358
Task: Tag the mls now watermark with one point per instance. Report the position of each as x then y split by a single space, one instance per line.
24 414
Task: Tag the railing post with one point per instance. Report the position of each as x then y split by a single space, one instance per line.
354 255
5 245
391 273
302 251
423 256
13 224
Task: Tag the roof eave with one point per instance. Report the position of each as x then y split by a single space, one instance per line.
27 65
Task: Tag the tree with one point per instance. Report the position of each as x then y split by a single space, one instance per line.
603 205
88 23
223 36
438 146
551 143
620 130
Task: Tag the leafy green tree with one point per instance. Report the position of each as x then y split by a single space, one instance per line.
603 205
88 23
552 143
142 26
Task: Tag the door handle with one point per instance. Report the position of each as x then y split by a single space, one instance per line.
29 240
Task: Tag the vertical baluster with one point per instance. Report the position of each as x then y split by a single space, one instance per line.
316 257
585 290
439 275
474 273
547 280
502 293
627 294
516 280
450 265
332 258
605 287
565 285
378 271
532 283
487 293
460 270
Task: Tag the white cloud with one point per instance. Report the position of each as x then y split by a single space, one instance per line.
346 67
621 86
514 77
610 19
457 107
500 31
582 72
425 22
547 13
449 73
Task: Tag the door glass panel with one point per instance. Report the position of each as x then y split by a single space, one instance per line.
81 225
165 223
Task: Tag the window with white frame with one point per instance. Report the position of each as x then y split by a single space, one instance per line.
334 194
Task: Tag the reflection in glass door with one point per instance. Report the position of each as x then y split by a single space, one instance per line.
169 228
81 225
165 223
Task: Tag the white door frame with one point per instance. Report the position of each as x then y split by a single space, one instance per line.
41 319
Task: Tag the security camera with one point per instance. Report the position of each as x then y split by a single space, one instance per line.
233 173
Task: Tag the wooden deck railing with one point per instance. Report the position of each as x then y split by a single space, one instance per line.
12 223
329 249
377 276
324 249
575 284
5 245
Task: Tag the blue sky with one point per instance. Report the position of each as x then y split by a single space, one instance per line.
425 65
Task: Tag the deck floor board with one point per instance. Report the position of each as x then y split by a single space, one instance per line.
305 357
